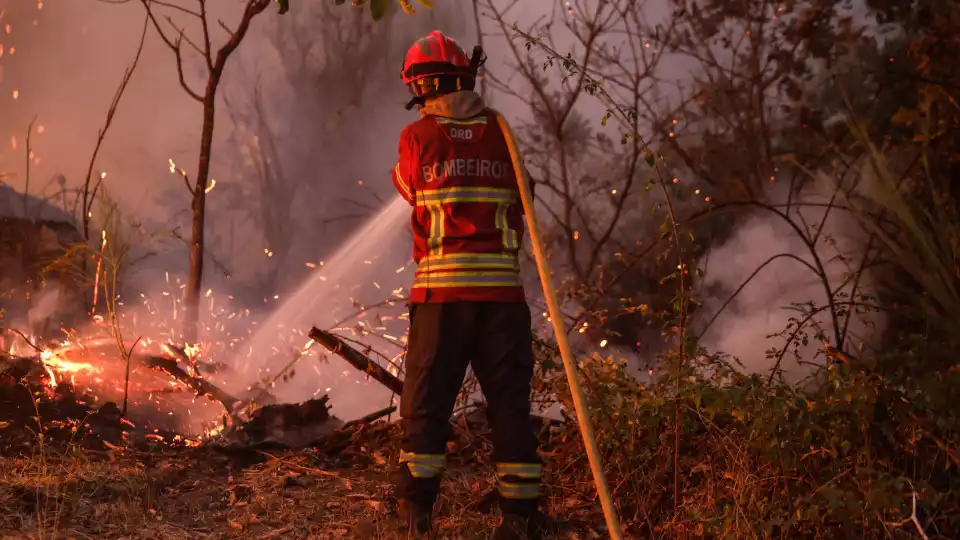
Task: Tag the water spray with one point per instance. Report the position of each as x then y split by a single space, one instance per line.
556 317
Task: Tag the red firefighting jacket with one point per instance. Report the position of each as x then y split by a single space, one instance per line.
455 170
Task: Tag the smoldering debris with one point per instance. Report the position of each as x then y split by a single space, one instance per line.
34 399
35 410
283 426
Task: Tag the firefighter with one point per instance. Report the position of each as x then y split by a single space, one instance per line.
467 303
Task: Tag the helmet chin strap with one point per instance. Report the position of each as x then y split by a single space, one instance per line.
417 101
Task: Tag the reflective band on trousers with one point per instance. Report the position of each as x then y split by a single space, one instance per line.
519 480
423 465
465 261
510 490
427 197
466 279
520 470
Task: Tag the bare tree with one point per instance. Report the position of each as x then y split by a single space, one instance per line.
273 194
87 194
592 176
334 67
214 60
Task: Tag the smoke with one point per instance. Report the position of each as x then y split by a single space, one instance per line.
334 123
44 306
755 325
320 83
310 110
62 65
334 127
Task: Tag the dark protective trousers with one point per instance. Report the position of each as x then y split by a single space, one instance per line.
496 340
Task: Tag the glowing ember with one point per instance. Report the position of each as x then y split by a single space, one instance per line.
54 363
193 351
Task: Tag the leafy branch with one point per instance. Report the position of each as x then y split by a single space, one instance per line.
378 8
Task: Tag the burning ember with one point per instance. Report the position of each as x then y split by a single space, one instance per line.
96 369
54 362
155 385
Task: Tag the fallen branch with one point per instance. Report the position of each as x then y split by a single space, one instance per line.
370 417
356 359
912 519
288 425
22 336
200 386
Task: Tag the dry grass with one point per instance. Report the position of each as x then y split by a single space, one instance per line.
206 493
196 494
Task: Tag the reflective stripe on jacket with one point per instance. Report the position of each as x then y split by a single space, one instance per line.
467 219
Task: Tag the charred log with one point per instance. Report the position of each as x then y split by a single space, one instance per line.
286 426
202 387
106 425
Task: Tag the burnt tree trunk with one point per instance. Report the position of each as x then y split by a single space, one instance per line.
215 68
199 208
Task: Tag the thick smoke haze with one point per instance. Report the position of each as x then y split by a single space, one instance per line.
63 64
334 131
64 61
786 286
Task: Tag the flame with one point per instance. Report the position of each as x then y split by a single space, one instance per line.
96 281
193 351
55 362
213 432
53 376
67 366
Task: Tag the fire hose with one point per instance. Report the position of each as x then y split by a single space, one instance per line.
556 317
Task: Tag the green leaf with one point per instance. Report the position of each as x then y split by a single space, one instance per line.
284 6
649 158
379 8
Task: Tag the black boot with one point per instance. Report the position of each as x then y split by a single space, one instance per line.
417 518
410 521
415 497
523 527
522 520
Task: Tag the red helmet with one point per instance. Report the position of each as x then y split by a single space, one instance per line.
435 54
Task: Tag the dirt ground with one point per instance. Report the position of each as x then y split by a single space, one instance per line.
203 492
101 477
